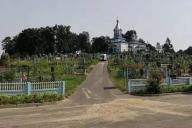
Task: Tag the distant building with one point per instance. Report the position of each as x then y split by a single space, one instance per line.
135 46
121 45
159 47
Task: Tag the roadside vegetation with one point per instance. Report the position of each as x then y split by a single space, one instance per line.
116 78
166 89
150 65
117 72
34 98
71 69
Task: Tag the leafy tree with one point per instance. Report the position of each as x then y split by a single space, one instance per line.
180 51
8 45
46 44
84 44
5 59
48 40
190 68
130 35
101 44
150 47
168 47
188 51
27 42
141 41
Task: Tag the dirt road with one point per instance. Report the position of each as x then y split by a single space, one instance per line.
96 104
96 89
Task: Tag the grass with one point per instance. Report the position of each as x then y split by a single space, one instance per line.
72 83
63 70
34 98
117 79
176 88
167 89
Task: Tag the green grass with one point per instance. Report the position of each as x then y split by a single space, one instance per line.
34 98
63 70
72 83
167 89
176 88
117 79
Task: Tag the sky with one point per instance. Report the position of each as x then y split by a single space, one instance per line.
154 20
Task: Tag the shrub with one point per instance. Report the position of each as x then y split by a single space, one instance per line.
9 76
13 100
176 88
37 98
139 92
154 82
4 100
34 98
5 59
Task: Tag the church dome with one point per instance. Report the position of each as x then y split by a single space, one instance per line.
117 27
117 31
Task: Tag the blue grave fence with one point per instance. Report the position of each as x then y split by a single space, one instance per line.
18 88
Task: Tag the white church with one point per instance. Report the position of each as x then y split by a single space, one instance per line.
121 45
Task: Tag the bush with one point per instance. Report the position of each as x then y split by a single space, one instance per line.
34 98
5 59
4 100
37 98
154 83
9 76
176 88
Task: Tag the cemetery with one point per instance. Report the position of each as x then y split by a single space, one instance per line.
38 78
95 64
152 73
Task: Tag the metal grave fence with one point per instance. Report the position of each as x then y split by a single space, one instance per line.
29 88
140 84
136 85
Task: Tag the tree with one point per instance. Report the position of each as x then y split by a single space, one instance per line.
8 45
46 44
130 35
150 47
168 47
180 51
46 40
5 59
101 44
28 42
188 51
190 68
65 41
84 44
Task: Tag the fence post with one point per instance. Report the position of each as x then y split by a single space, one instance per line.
129 86
28 88
170 81
190 81
62 89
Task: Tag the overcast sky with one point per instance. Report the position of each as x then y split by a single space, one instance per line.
154 20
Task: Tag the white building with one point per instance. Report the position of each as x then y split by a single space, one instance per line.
159 47
121 45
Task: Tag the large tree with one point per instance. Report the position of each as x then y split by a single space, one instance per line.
101 44
130 35
84 44
188 51
46 40
8 45
168 47
150 47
